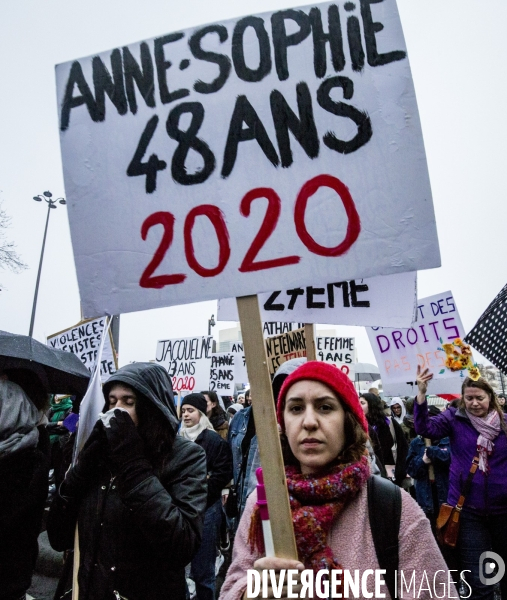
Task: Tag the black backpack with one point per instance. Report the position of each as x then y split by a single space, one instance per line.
384 511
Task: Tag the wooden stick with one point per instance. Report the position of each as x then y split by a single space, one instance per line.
75 584
431 470
311 353
266 427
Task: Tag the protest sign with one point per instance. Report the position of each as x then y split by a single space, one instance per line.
187 360
227 370
388 301
428 343
281 147
271 328
83 340
286 346
339 351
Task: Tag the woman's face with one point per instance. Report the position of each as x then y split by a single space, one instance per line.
190 415
209 405
396 408
364 405
477 401
314 424
122 396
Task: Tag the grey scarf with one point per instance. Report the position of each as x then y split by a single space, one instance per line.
18 420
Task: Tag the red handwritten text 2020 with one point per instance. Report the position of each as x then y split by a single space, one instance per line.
249 262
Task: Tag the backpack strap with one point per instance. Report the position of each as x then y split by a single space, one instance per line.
384 511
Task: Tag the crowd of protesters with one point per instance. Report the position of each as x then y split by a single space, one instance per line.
158 497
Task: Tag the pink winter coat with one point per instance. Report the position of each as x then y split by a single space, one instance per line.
352 544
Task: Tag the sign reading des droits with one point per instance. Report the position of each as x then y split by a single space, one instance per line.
399 351
263 152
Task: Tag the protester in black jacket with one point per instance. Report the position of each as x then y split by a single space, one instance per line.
390 435
24 467
197 427
138 492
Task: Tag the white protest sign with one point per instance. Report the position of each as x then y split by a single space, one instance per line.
339 351
83 340
273 150
227 369
399 351
389 301
272 328
188 362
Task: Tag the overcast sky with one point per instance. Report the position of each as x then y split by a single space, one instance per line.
457 53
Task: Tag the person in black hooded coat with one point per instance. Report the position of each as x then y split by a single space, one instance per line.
138 493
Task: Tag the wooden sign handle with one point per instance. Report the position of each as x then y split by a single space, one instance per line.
266 427
75 567
311 353
431 470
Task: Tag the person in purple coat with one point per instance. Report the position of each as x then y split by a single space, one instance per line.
476 427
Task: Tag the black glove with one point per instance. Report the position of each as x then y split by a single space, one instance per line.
126 452
82 475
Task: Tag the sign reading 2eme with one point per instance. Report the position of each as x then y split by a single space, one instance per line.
245 155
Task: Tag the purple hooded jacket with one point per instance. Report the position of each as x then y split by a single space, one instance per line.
488 494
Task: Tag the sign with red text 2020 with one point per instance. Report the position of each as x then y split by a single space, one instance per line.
399 351
253 154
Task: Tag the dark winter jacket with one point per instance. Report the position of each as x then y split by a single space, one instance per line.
23 493
220 424
488 493
386 440
440 455
138 543
218 463
243 440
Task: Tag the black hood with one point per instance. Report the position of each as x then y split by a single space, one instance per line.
153 382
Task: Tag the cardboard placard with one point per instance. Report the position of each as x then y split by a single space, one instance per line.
399 351
83 340
286 346
284 146
227 369
366 302
188 362
339 351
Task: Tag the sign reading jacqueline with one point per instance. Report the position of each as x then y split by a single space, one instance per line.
188 362
273 150
433 342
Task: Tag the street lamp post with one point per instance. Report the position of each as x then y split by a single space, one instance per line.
211 323
48 198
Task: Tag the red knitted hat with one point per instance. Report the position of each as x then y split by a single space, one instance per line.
332 377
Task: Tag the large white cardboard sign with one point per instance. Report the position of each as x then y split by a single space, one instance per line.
269 151
188 362
339 351
389 301
83 340
399 351
227 369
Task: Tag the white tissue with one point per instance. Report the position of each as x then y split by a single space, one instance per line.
107 416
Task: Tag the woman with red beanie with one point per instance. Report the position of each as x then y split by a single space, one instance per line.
324 434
